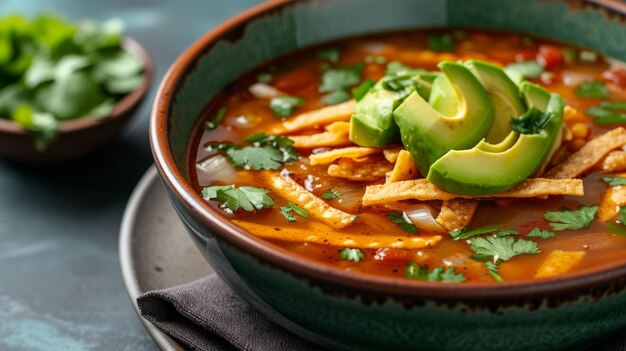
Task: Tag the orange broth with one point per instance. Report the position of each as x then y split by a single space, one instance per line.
298 74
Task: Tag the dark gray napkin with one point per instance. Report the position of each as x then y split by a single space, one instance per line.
206 315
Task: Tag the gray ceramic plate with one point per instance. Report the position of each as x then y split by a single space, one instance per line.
155 250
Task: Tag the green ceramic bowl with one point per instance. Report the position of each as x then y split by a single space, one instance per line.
343 310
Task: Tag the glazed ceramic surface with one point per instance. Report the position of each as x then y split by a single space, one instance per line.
341 310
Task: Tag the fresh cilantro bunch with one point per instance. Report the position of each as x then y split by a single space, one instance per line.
52 71
265 152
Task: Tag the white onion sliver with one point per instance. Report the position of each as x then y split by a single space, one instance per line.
571 78
264 91
216 169
422 216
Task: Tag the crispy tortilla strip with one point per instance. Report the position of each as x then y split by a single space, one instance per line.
324 139
422 189
353 152
404 169
338 127
368 170
589 155
320 117
392 154
456 213
615 162
318 233
559 262
608 208
619 195
294 192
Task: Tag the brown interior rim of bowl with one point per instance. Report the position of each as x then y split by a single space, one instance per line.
174 179
126 103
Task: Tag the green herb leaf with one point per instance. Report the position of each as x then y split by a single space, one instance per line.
569 219
593 90
354 255
569 55
441 42
604 116
417 272
530 122
463 233
248 198
588 56
329 54
622 215
538 233
614 181
331 194
376 59
280 142
528 69
493 270
340 78
264 77
500 249
283 106
216 120
266 152
614 105
291 207
402 222
359 92
336 97
397 67
43 125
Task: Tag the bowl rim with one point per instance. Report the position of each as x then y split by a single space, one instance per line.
120 109
321 272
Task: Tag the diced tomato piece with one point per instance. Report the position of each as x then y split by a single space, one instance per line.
550 56
616 75
294 80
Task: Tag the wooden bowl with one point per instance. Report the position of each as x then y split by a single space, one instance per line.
80 136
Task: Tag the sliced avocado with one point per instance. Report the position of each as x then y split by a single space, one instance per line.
428 134
505 96
489 168
372 123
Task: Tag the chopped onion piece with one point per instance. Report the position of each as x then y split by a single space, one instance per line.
350 196
216 169
264 91
422 216
572 78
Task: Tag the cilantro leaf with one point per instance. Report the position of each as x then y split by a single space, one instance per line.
248 198
331 194
336 97
417 272
500 249
571 219
593 90
359 92
264 77
622 215
440 42
493 270
397 67
603 115
614 181
283 106
329 54
538 233
255 157
530 122
402 222
463 233
43 125
340 78
354 255
216 120
266 152
291 207
614 105
528 69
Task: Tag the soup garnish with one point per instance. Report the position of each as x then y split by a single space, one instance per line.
459 156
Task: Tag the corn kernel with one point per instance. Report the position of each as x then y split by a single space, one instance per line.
580 130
